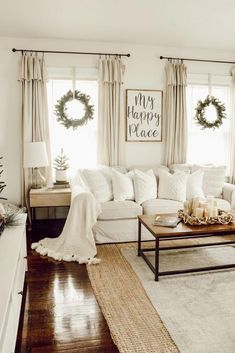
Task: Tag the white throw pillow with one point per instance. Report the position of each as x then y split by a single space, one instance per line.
213 180
99 183
187 168
172 186
145 184
123 188
194 185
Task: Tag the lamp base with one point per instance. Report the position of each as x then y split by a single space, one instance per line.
38 180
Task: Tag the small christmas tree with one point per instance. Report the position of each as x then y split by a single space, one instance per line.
2 183
60 162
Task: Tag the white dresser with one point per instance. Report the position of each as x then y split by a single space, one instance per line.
13 265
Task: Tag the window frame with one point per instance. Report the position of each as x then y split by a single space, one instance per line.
213 80
70 74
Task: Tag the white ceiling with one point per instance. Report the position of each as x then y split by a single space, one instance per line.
181 23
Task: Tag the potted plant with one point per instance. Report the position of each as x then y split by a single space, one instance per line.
61 166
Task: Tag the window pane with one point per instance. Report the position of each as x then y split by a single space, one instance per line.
79 144
208 145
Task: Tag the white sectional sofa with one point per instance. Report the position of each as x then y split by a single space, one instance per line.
117 221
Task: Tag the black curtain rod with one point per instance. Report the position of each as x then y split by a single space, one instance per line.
67 52
203 60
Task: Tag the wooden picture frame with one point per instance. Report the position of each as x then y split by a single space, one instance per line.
144 115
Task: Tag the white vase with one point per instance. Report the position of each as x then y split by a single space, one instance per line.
61 175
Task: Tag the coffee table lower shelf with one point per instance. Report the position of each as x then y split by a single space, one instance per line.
157 249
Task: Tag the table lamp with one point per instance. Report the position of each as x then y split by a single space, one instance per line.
35 156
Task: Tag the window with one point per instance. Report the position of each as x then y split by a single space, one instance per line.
208 145
80 145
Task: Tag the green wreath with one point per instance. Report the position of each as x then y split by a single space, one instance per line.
200 113
61 110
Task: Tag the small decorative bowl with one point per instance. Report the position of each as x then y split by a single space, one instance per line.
222 218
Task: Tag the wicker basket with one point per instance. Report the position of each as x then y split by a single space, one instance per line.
222 218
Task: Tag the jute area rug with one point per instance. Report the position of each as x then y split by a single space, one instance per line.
134 324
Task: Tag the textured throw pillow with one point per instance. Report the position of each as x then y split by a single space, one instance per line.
145 184
172 186
99 183
187 168
123 188
194 185
213 180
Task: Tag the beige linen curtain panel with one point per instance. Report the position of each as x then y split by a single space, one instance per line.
111 71
175 114
232 159
34 112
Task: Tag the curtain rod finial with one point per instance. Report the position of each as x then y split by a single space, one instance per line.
14 50
128 55
161 57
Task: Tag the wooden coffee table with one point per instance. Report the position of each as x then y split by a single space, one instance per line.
182 231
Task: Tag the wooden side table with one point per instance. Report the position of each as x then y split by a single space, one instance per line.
48 198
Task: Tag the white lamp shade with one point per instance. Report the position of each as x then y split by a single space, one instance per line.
35 155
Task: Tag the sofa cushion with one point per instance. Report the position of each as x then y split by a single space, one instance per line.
123 188
99 182
161 206
187 168
213 180
156 169
172 186
195 185
145 185
119 210
223 205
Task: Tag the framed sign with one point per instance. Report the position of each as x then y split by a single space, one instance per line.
143 115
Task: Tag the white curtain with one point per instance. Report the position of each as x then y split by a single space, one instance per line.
175 114
34 112
232 161
111 71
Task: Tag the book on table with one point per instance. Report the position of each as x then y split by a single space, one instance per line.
167 221
61 185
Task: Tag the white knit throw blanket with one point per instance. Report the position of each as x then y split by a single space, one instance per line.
76 242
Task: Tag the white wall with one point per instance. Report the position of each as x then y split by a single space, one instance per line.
144 69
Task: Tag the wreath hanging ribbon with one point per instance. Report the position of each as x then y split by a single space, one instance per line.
61 110
201 115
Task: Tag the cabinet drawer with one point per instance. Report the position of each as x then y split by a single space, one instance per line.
12 273
12 319
47 200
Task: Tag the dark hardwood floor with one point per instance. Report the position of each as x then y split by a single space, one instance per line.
59 312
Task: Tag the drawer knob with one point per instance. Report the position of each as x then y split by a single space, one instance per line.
20 293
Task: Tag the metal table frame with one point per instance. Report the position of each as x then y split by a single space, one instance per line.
157 249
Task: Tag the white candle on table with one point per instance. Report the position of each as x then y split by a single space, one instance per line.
214 212
210 211
199 212
206 212
186 207
196 204
203 204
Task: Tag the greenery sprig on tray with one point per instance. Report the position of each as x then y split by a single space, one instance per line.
61 110
201 114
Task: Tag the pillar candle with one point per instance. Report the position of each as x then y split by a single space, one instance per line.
186 207
203 204
210 211
196 203
206 212
214 212
199 212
